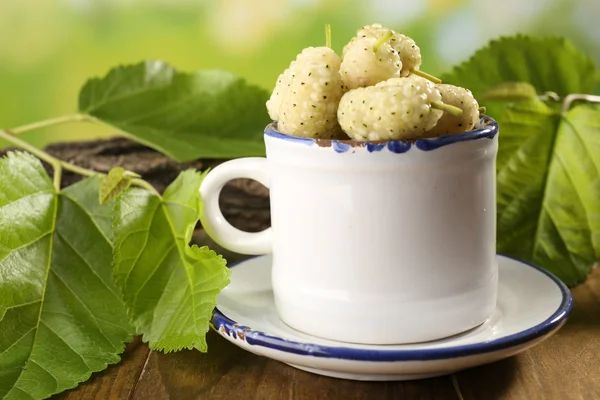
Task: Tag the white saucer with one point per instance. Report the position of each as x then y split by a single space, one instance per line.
532 305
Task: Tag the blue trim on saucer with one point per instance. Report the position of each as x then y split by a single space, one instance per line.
395 146
257 338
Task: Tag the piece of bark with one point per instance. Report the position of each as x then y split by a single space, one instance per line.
244 203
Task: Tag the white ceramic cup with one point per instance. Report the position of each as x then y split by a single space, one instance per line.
373 243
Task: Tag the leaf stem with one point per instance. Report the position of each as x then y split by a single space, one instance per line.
549 96
42 155
427 76
57 176
59 165
446 108
49 122
382 40
146 185
328 35
79 170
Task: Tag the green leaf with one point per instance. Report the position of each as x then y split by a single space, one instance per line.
113 184
549 187
61 317
510 91
547 165
208 113
548 63
169 287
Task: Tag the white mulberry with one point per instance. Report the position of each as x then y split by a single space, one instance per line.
309 105
450 124
283 83
399 108
408 51
368 62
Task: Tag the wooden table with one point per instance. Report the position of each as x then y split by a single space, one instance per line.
566 366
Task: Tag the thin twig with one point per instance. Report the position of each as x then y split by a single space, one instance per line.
59 165
146 185
49 122
570 99
42 155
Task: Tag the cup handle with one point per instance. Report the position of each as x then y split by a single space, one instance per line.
213 222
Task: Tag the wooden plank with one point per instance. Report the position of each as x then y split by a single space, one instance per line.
117 381
227 372
566 366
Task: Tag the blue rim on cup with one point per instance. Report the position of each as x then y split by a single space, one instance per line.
320 190
488 129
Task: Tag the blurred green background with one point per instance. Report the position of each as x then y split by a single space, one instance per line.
48 48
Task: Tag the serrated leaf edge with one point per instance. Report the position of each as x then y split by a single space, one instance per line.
120 348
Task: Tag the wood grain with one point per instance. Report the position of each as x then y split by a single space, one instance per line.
227 371
117 381
564 367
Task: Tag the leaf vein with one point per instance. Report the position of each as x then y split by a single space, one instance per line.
92 219
158 265
84 306
581 202
182 256
21 305
67 344
48 372
44 288
86 262
17 340
123 96
24 245
578 135
26 197
147 230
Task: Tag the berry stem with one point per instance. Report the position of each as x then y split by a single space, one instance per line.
382 40
446 108
426 76
328 35
482 110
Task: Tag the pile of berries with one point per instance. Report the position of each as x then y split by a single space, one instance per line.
375 91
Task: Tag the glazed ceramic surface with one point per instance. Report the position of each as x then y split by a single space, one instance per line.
532 305
370 232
